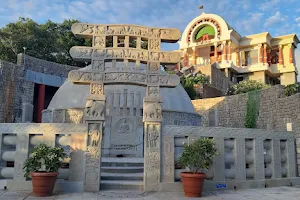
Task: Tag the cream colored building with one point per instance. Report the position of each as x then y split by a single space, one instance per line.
208 40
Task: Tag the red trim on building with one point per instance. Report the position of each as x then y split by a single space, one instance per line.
41 102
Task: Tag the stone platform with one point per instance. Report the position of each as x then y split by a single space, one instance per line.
290 193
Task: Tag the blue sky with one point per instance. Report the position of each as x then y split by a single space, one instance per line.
246 16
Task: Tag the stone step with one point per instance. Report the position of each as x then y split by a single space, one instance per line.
122 176
122 169
121 185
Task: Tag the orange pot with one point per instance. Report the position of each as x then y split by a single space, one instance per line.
43 183
192 183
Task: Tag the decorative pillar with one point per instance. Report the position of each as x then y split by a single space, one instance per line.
291 59
260 50
152 118
269 57
94 116
216 52
185 58
22 149
229 50
224 56
41 102
265 54
280 59
238 57
194 56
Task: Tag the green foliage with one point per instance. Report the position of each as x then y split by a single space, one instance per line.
247 86
252 109
188 85
199 155
292 89
50 41
200 79
44 158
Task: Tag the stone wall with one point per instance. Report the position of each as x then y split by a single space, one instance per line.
275 112
218 79
16 87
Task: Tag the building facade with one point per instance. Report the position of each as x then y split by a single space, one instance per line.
210 40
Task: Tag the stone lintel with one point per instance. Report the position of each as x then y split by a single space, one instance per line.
137 78
83 53
96 97
89 30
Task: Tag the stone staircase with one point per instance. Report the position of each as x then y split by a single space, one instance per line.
122 173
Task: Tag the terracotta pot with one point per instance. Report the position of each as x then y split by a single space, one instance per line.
192 183
43 183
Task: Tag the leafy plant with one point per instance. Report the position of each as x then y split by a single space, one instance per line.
199 155
44 158
188 85
292 89
252 109
200 79
248 86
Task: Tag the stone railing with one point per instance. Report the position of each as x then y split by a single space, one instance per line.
248 157
17 140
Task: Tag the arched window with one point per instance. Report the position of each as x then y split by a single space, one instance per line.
205 33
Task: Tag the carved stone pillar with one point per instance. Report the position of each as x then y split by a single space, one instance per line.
280 59
269 56
229 50
185 58
216 52
194 56
265 54
291 59
260 53
224 55
152 118
94 115
22 147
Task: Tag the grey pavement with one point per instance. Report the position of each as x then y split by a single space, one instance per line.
288 193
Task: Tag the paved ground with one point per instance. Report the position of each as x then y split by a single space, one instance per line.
285 193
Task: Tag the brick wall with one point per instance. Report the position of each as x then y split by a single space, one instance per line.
17 90
276 112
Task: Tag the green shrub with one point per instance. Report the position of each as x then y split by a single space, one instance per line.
248 86
292 89
200 79
199 155
252 109
188 85
44 158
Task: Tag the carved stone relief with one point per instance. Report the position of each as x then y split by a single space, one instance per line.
89 29
153 91
99 41
94 110
152 136
98 65
154 44
95 134
96 89
86 53
152 111
153 67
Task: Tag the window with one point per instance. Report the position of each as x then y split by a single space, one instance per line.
249 57
274 56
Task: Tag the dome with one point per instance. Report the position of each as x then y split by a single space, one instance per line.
71 95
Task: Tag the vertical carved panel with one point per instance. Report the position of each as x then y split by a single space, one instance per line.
77 162
154 44
99 41
240 159
96 89
168 159
276 158
219 163
259 158
22 154
152 142
93 158
291 158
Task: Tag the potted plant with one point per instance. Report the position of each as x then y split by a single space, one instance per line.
198 157
43 164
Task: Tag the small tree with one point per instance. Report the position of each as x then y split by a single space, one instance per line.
247 86
199 155
292 89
